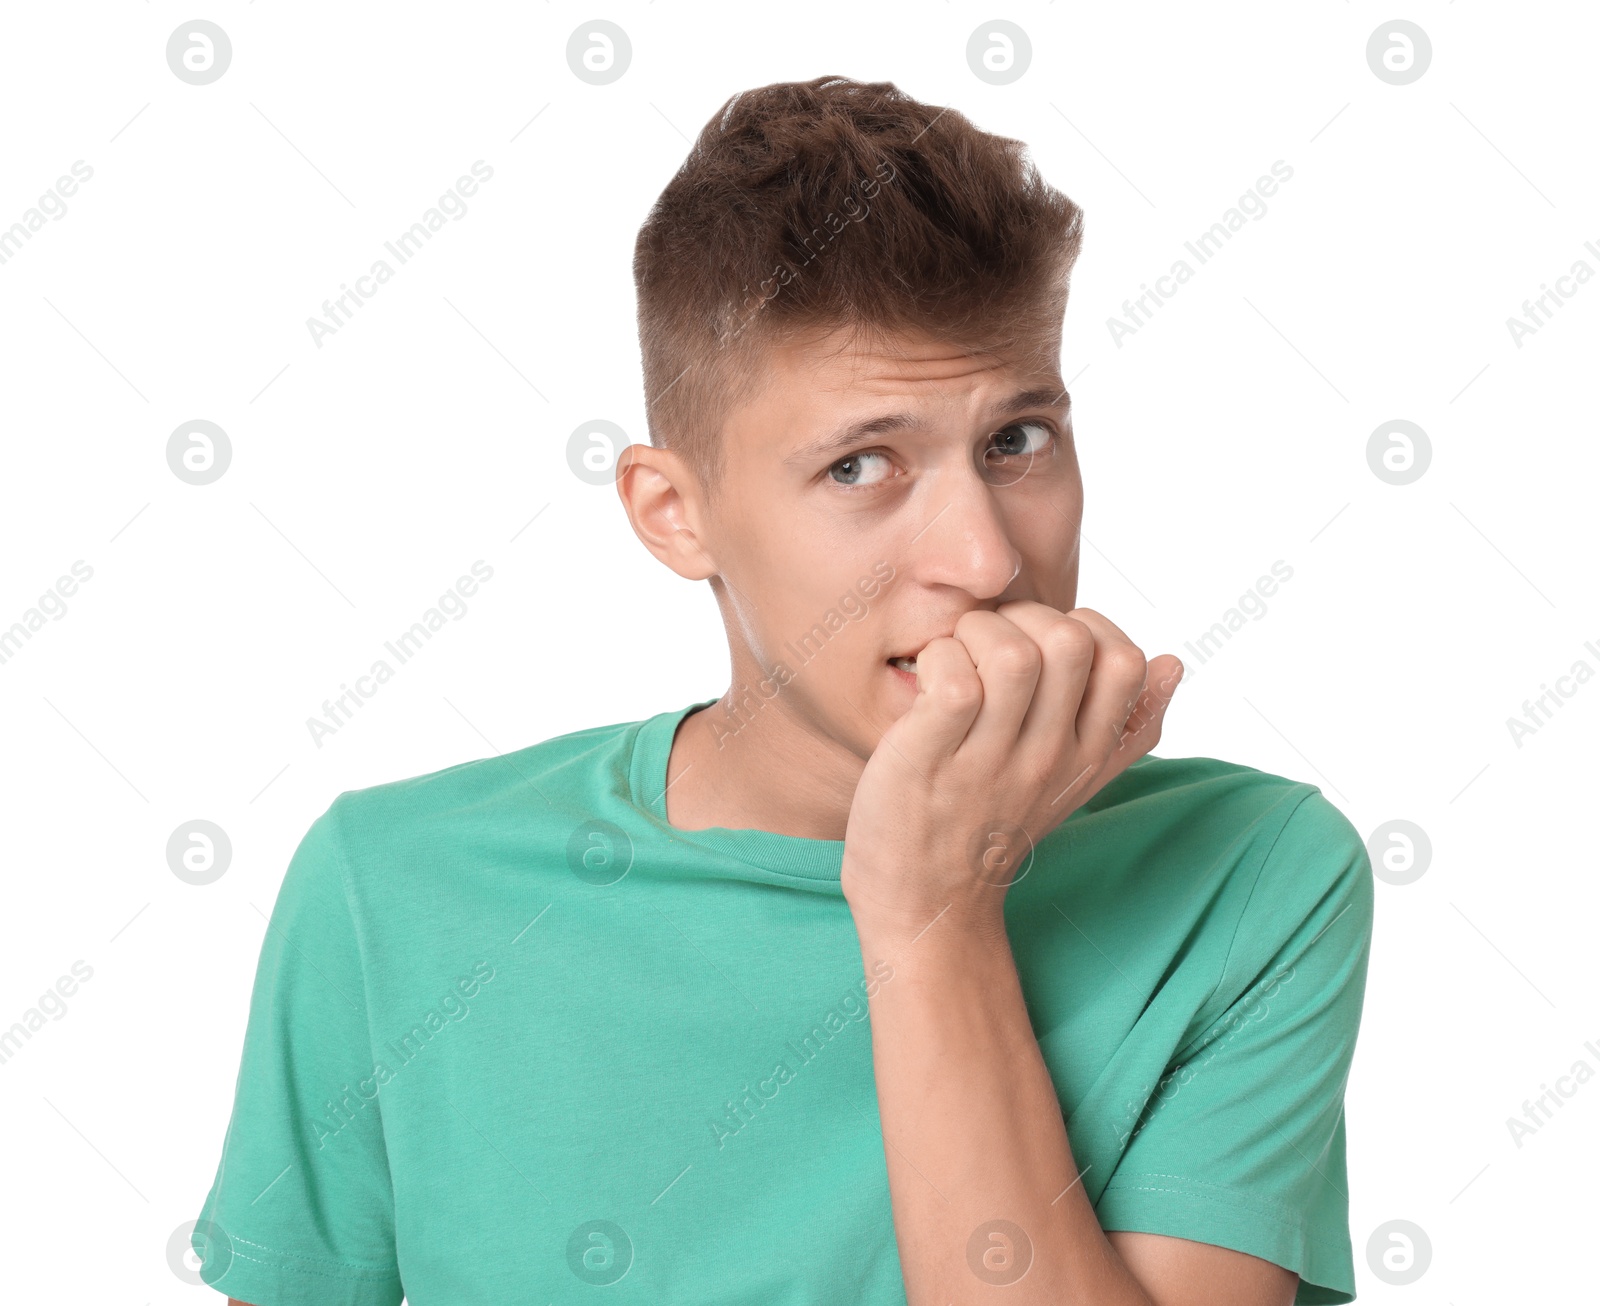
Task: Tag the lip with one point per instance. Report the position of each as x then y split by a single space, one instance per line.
910 655
915 652
904 677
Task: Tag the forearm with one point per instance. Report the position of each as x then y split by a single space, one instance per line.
973 1133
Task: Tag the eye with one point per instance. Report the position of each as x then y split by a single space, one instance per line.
858 469
1021 439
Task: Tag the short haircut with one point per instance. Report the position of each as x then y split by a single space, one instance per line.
805 207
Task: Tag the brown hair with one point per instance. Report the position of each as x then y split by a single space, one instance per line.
808 206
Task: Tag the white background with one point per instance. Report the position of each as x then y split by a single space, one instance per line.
369 473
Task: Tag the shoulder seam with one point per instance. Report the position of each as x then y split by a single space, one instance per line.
1244 911
336 838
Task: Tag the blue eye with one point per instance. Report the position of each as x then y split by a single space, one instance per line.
856 469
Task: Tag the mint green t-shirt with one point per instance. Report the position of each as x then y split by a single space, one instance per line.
513 1038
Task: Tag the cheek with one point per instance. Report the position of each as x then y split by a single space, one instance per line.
811 615
1045 532
1046 535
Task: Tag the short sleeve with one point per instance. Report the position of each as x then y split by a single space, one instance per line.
301 1212
1242 1144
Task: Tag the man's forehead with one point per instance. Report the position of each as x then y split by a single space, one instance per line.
885 364
823 394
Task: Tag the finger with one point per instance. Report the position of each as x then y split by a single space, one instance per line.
1142 731
1008 663
1139 736
1067 646
1115 683
1101 617
949 694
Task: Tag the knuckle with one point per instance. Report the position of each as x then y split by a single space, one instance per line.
1126 666
1017 657
1039 772
1067 636
1128 660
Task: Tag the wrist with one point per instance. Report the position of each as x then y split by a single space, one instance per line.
955 937
957 982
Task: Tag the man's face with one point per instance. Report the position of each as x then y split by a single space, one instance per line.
842 548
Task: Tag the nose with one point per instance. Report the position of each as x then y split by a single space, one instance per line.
965 542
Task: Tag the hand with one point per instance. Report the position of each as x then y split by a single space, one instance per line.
1020 718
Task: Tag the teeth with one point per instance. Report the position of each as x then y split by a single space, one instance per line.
905 664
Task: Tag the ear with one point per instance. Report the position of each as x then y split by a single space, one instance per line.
664 503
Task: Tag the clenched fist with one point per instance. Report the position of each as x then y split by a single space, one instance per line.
1020 717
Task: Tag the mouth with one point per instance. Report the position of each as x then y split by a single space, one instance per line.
906 664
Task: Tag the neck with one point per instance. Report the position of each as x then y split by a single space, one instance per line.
756 765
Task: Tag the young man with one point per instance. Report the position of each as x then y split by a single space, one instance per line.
594 1015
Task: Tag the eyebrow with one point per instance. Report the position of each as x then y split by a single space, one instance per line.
847 437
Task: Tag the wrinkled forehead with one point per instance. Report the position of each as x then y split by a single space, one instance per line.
842 382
